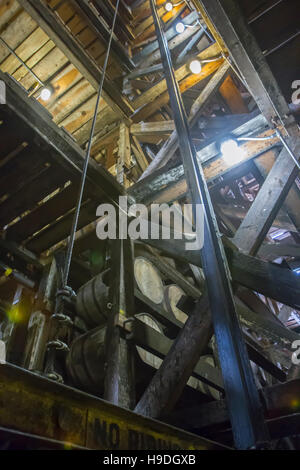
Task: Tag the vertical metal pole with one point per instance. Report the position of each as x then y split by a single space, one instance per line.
243 401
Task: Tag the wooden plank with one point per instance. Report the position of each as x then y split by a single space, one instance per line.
229 22
44 214
60 229
271 196
75 53
166 17
13 32
61 147
139 154
36 189
170 34
233 97
152 128
26 165
173 43
180 74
185 84
102 31
170 147
124 153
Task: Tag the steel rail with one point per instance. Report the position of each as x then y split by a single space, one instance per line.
244 405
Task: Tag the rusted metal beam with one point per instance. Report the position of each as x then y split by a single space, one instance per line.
32 404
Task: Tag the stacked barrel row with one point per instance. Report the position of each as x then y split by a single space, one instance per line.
86 359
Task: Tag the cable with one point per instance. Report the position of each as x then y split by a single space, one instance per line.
22 62
256 138
87 158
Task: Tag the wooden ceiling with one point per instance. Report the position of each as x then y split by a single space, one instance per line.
64 43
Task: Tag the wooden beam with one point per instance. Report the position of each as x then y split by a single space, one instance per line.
173 43
163 181
181 73
188 82
167 384
291 204
191 43
277 401
170 34
158 344
271 196
229 22
152 128
233 97
119 383
86 420
100 28
146 29
139 154
124 153
170 147
60 146
106 9
69 45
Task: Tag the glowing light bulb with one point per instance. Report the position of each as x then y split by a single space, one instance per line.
231 151
180 28
195 66
169 6
46 94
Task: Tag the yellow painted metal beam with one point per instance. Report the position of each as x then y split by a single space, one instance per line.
34 405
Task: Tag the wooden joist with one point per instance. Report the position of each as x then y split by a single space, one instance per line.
271 196
75 53
226 19
188 82
60 145
181 73
100 28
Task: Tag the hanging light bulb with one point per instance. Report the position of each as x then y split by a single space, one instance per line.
46 93
180 27
195 66
231 152
169 6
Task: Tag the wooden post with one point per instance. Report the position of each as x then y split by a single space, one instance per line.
15 331
119 377
124 153
39 323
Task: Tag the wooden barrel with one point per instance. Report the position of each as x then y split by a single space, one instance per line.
92 298
148 280
86 359
145 356
172 295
